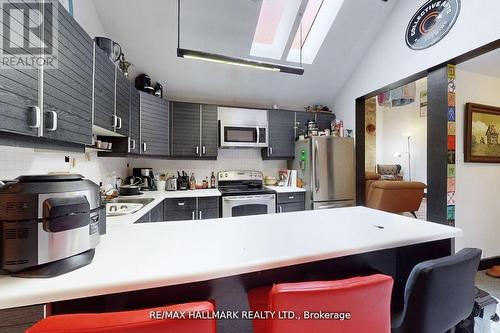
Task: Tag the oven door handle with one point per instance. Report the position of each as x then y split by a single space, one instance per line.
271 196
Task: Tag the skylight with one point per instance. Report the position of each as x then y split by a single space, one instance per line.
277 22
274 28
316 23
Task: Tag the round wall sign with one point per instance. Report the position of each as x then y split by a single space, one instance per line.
431 23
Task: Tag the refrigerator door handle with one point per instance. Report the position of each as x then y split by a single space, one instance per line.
316 179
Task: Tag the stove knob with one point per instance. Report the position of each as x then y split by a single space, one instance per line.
225 175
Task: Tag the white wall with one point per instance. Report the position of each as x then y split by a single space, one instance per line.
26 161
389 59
394 124
85 12
478 184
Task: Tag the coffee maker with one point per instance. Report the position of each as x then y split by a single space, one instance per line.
147 176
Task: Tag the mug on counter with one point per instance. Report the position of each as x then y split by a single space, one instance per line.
162 185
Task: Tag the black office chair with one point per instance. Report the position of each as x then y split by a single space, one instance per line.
439 294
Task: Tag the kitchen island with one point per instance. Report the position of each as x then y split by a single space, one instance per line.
148 264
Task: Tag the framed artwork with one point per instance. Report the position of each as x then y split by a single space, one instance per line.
423 103
482 125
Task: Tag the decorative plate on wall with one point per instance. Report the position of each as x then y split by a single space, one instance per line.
431 23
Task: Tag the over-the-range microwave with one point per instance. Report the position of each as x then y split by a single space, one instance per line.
243 134
242 128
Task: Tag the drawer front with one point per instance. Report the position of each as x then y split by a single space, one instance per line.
208 202
180 214
180 203
291 207
284 198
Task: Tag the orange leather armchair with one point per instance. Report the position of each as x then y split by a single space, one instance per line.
136 321
393 196
367 299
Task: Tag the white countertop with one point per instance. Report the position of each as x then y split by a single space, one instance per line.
286 189
158 197
149 255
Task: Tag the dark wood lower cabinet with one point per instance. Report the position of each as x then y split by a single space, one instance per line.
156 214
17 320
291 207
290 202
182 209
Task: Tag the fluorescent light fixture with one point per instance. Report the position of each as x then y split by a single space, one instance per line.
222 59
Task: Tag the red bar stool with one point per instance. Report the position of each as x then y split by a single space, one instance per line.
136 321
367 299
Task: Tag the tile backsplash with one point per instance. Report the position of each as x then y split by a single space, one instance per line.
228 159
27 161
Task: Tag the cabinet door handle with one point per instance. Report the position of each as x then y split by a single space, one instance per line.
132 144
115 122
53 114
291 197
197 150
200 215
119 123
193 215
280 209
203 150
35 119
144 147
180 204
270 150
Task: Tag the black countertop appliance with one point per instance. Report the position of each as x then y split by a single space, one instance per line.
49 224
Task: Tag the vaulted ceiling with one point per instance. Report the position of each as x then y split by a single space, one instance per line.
147 32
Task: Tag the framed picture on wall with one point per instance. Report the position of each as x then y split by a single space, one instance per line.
482 125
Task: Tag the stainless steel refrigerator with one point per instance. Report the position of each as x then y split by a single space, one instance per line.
326 165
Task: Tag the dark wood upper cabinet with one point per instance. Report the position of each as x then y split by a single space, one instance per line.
194 130
154 122
19 88
67 89
122 103
281 135
324 120
301 119
135 121
185 129
104 90
209 130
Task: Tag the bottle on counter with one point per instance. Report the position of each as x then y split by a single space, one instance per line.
205 183
212 180
192 182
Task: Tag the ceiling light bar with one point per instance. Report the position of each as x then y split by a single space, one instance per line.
222 59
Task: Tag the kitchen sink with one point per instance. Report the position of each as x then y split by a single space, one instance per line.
125 206
143 201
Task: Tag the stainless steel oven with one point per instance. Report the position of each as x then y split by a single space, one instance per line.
243 193
248 205
243 134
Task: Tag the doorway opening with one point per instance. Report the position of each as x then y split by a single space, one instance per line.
396 149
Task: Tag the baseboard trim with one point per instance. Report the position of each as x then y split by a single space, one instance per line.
489 262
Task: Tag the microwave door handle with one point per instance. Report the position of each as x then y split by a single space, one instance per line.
258 135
